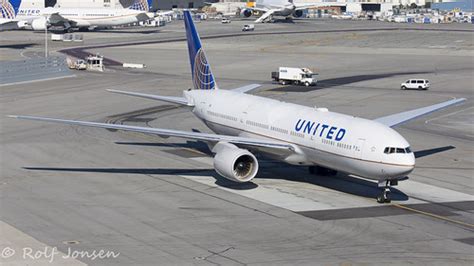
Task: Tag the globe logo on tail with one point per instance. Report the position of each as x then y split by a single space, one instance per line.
202 75
7 10
140 5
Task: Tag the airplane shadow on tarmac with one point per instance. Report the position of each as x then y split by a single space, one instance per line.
18 46
269 169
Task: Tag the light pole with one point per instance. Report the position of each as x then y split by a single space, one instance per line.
46 36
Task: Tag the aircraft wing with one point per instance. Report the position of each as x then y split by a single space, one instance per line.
171 99
246 88
172 133
10 25
265 15
56 18
301 6
145 16
400 118
259 9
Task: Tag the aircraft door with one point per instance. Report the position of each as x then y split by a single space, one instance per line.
358 148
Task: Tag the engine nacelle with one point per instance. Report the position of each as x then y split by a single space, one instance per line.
233 163
246 12
39 24
298 13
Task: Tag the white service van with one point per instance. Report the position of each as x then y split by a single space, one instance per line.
248 27
420 84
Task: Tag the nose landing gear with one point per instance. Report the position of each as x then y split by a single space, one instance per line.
385 197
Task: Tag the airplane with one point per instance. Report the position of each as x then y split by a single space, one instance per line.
283 8
85 18
9 10
245 124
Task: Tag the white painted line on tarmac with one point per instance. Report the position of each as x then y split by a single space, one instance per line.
36 80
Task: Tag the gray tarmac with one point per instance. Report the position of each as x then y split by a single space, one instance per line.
156 200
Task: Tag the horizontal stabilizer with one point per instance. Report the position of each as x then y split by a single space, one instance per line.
170 132
171 99
397 119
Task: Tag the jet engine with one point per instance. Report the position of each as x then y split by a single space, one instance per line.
298 13
235 164
39 23
246 12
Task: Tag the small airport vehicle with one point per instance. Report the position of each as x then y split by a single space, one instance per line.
420 84
248 27
295 75
80 65
225 20
95 63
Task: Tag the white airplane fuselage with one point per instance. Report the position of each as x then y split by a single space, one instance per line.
337 141
86 17
284 10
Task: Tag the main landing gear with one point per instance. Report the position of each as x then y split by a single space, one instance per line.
384 197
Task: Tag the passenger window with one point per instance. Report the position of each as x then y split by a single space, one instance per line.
420 82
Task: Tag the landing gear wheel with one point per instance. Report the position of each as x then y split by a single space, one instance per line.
384 197
380 199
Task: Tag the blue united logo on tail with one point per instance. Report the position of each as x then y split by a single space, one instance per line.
203 79
9 9
142 5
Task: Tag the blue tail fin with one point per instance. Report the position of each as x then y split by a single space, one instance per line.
142 5
203 79
9 8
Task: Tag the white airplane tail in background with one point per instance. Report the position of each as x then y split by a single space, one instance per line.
142 5
9 8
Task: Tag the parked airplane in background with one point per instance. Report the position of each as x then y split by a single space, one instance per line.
9 10
85 18
283 8
288 132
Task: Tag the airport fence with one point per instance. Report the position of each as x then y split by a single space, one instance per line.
33 69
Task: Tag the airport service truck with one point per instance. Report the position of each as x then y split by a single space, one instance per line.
303 76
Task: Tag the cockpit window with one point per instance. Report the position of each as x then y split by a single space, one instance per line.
389 150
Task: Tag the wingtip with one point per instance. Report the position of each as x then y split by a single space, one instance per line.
12 116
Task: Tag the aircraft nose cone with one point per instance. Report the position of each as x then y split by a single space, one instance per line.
410 164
